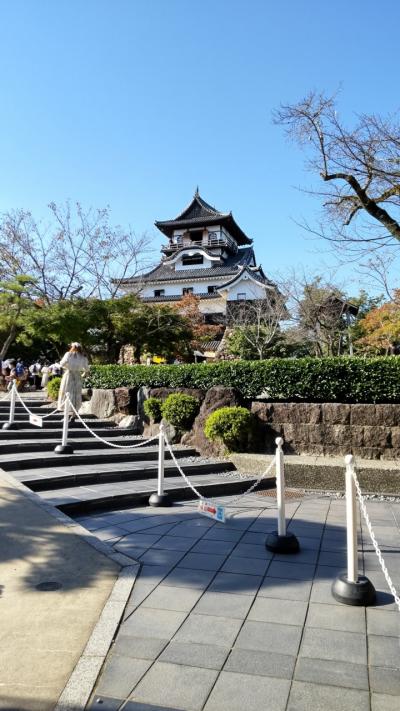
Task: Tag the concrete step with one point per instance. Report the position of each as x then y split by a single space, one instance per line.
56 424
80 500
46 460
41 433
33 402
21 413
142 470
46 441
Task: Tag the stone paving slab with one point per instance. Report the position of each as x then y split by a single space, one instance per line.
217 623
44 631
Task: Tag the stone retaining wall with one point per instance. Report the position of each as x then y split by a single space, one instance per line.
368 431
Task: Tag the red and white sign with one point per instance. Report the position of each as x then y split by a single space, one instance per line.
212 510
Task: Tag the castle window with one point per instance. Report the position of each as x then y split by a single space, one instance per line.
196 236
241 296
187 290
159 292
211 289
192 259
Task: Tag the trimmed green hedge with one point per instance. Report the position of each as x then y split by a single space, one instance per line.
341 379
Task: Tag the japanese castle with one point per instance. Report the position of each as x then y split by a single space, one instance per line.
207 254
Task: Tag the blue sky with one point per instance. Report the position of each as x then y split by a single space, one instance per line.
133 103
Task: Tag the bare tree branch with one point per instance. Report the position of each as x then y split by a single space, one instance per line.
361 166
77 251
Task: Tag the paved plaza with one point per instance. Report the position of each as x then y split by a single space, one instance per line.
215 622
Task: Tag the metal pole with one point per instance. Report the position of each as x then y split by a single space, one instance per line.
64 439
8 425
349 587
281 541
280 487
351 518
161 456
161 498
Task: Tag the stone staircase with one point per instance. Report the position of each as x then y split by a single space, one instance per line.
97 476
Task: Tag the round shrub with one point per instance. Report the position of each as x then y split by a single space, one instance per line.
230 425
180 410
53 387
152 408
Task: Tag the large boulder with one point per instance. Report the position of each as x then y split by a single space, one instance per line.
133 423
163 393
215 398
86 408
126 400
103 403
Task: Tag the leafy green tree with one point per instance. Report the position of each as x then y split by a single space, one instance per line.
104 326
156 329
242 342
323 317
17 299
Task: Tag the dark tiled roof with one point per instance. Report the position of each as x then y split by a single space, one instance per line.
198 213
178 297
256 273
166 272
211 345
197 209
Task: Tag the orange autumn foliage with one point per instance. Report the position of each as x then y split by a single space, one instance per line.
381 328
188 307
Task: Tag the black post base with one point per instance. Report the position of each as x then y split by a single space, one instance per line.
160 500
8 425
64 449
282 544
361 593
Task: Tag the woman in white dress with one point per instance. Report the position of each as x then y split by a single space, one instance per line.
74 363
45 373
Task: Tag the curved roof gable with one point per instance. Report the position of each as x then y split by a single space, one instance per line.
254 273
198 208
200 214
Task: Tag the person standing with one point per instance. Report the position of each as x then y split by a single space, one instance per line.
74 363
35 370
45 374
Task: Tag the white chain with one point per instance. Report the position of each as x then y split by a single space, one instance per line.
58 409
105 441
374 541
256 483
200 496
32 413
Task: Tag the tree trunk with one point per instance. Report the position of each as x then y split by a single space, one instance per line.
7 343
137 352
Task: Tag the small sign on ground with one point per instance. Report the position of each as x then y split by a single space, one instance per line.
212 511
36 420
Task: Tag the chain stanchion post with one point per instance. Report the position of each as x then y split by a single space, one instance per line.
349 587
10 424
281 541
161 498
65 447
